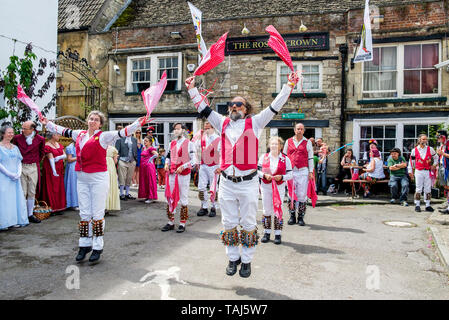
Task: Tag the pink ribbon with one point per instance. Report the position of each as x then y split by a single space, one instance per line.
311 192
213 189
277 202
152 95
172 198
291 192
21 96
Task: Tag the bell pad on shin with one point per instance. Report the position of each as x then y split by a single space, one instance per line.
230 237
84 229
249 239
98 228
266 222
184 213
201 195
170 215
278 224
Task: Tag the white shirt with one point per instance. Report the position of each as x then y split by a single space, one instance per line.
309 155
208 139
191 149
274 161
235 128
422 153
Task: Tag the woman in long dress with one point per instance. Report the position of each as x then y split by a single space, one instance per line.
53 192
147 173
113 200
13 210
70 177
138 136
93 177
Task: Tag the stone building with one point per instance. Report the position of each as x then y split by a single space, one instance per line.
135 41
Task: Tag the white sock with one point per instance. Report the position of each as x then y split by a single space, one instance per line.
127 190
122 188
427 203
267 231
417 203
30 207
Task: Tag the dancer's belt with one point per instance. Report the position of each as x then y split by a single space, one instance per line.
241 178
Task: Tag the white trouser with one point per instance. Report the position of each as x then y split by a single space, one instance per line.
238 203
184 184
206 176
93 190
267 201
301 182
423 183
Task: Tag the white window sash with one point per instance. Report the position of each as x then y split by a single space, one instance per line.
299 68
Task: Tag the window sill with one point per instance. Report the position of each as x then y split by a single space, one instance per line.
165 92
401 100
305 95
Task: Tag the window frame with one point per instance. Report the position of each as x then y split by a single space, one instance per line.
299 66
154 68
400 71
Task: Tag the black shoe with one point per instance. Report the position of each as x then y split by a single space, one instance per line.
446 211
212 212
429 209
124 198
33 219
277 239
181 229
418 209
301 221
292 219
266 238
202 212
82 253
245 270
130 197
95 256
231 269
168 227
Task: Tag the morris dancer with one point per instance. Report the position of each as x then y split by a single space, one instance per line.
92 177
443 169
422 159
239 187
178 165
275 169
300 152
208 146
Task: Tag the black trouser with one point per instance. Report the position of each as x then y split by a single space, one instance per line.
343 174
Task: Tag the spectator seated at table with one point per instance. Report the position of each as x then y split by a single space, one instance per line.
374 171
397 166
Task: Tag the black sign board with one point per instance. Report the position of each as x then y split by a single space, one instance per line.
295 42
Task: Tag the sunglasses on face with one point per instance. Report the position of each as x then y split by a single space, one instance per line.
238 104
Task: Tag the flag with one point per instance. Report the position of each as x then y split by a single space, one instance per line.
21 96
196 18
152 95
365 50
213 57
172 197
277 43
277 201
311 192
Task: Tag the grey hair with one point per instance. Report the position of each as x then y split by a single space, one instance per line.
3 129
50 135
99 114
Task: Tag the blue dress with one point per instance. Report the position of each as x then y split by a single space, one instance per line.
13 208
71 193
139 152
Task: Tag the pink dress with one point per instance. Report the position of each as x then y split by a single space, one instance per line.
147 176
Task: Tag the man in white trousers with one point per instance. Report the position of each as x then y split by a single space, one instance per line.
300 151
423 158
208 146
239 185
178 165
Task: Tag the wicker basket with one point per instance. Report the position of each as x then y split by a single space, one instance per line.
41 210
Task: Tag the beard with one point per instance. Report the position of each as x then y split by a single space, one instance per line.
236 115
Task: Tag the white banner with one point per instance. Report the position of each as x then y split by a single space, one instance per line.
365 51
196 18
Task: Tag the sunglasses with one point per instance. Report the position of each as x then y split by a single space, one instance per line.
238 104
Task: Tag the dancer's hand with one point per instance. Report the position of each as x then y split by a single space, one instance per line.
278 177
267 177
190 83
43 120
218 171
293 79
311 176
179 170
411 176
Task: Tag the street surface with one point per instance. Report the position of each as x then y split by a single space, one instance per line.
344 252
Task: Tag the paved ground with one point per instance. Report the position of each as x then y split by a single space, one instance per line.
344 252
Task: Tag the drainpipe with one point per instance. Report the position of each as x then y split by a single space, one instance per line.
343 48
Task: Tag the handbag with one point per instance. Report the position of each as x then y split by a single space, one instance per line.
41 210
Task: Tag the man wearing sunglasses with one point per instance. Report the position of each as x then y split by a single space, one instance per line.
239 186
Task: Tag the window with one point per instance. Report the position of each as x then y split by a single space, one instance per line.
384 135
379 77
311 73
411 133
402 71
142 71
140 74
420 77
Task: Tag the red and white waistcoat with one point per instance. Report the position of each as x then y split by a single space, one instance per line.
280 170
93 156
423 164
243 155
299 156
179 157
210 155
